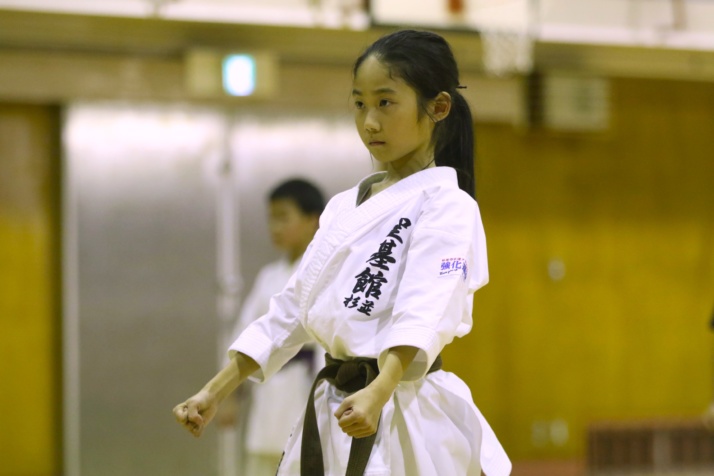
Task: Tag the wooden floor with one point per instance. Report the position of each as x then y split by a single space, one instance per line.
549 468
578 468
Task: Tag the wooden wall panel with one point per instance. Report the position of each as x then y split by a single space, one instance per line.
630 216
29 289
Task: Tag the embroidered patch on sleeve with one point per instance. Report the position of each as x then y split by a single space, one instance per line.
450 266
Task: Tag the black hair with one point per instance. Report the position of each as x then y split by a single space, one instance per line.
424 61
306 196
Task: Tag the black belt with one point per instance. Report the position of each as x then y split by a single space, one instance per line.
347 376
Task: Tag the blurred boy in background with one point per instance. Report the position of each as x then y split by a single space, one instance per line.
295 207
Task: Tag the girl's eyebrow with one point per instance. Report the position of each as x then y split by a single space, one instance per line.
357 92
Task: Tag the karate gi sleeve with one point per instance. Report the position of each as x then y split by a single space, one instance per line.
275 338
445 264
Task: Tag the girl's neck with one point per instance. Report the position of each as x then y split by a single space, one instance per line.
396 171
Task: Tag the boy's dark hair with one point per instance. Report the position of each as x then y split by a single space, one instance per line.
425 62
306 196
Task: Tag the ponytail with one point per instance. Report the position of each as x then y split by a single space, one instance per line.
454 144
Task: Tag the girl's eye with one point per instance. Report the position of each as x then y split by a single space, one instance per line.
384 102
359 104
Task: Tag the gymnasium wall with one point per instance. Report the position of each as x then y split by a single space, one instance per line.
29 290
601 252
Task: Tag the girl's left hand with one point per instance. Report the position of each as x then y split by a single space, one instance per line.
358 414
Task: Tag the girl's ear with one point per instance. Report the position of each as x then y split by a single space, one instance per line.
441 106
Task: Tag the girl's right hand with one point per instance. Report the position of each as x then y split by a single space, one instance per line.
197 412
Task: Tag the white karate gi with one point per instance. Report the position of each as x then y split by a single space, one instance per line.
399 269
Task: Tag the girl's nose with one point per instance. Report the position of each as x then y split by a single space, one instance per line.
370 124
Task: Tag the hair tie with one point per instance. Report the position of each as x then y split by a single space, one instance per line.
460 87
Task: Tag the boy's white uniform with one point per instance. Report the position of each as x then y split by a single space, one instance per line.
399 269
273 411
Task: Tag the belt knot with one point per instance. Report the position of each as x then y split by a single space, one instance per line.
349 376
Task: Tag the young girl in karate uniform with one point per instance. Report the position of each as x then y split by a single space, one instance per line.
386 283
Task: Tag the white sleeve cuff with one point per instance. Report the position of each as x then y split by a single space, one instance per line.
256 346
